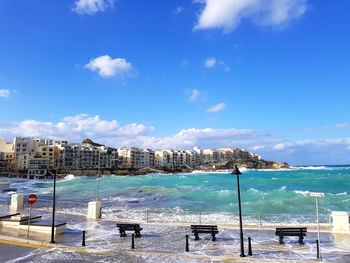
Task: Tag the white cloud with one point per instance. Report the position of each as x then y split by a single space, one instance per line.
178 10
217 107
90 7
210 62
227 14
5 93
279 147
110 132
343 126
76 128
108 67
258 147
195 95
206 138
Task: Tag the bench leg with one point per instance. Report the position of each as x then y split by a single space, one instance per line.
122 234
213 237
137 234
301 240
196 236
281 240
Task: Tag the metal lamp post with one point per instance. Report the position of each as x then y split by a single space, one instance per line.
317 195
53 206
237 172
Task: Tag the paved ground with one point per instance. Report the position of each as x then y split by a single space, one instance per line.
162 243
10 252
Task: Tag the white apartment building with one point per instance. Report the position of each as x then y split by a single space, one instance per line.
23 152
56 142
61 155
38 168
147 158
163 158
210 156
104 157
193 158
7 151
133 157
179 158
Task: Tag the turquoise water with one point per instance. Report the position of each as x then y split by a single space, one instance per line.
265 192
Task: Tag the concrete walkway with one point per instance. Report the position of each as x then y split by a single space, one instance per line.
161 243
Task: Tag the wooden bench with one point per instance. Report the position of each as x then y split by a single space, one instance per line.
210 229
291 231
8 215
123 227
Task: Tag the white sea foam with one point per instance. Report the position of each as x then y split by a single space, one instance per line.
211 171
311 168
123 199
272 170
283 188
192 188
343 193
304 193
69 177
253 190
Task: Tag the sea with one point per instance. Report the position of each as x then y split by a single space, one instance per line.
171 202
267 195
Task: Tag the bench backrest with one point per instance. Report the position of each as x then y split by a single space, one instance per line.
129 226
204 227
291 229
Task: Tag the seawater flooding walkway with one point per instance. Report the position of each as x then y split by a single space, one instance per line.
165 242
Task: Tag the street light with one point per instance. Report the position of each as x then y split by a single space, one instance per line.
53 172
317 195
237 172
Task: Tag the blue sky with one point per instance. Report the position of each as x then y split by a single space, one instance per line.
269 76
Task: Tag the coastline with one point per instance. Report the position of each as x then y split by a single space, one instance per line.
145 171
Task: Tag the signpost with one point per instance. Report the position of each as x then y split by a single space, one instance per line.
317 195
31 199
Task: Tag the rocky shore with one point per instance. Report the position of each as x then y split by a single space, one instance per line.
248 164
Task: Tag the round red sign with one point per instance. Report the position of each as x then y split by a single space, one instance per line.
31 199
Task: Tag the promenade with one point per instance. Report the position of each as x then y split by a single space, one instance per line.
162 243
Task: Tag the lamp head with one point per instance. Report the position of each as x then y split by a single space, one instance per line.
236 171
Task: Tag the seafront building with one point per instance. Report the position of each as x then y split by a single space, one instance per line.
7 153
36 156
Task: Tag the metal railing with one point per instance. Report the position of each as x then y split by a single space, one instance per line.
168 216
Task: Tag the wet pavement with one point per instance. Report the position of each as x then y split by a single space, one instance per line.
166 243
